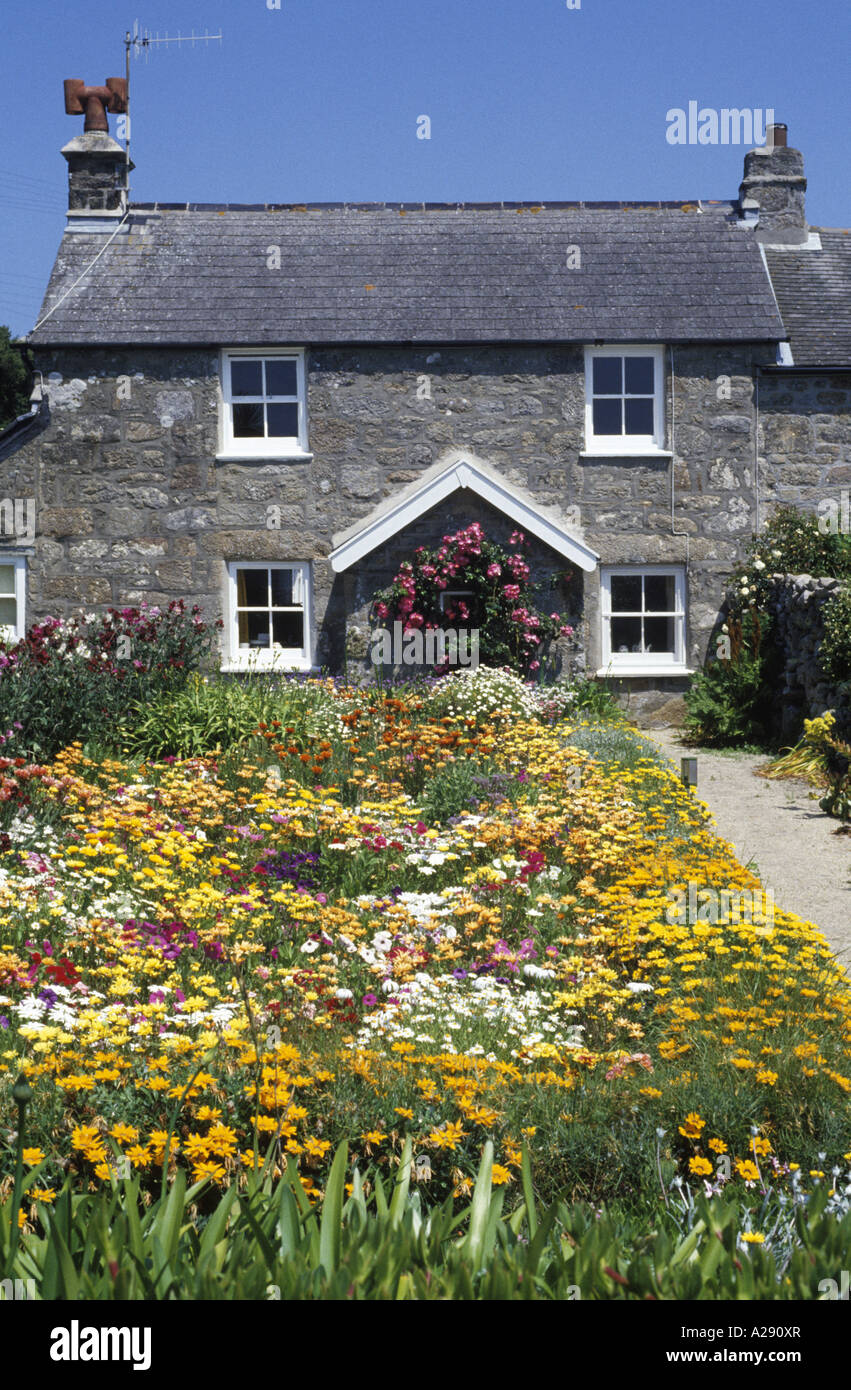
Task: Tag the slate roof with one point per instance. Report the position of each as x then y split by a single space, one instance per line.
813 290
664 272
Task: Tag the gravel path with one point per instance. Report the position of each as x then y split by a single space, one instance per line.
780 832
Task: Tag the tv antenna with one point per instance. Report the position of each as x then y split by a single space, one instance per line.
141 41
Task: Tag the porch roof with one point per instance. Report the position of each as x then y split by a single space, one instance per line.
459 470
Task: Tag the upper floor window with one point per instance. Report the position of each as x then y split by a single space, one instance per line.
624 400
12 580
264 404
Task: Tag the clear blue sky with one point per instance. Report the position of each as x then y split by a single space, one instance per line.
319 100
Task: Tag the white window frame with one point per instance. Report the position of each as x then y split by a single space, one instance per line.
626 444
19 581
644 663
269 658
233 447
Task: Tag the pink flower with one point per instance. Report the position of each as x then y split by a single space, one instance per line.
533 665
512 590
494 571
382 610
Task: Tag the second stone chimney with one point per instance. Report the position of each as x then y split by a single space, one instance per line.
773 190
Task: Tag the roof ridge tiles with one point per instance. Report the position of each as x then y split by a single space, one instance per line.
593 205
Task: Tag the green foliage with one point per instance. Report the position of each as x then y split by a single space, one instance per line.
268 1242
214 714
834 655
594 699
205 716
15 379
727 701
793 542
74 678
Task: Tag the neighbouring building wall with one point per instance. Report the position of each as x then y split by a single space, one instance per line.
805 437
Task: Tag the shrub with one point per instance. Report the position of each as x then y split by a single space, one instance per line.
594 699
834 654
483 693
791 543
73 678
214 715
726 703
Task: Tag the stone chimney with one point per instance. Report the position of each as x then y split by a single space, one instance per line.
97 165
773 189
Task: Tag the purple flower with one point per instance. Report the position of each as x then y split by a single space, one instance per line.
4 1022
369 1001
49 998
460 974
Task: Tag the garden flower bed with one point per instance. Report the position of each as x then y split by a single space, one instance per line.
409 924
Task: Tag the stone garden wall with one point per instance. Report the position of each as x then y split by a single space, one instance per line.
798 604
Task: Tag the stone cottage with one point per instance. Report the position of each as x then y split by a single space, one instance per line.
263 409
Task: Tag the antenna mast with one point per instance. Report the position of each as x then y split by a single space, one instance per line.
141 41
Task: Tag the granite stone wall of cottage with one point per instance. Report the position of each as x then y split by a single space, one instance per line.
132 504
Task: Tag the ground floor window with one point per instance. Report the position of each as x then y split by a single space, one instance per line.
269 614
643 617
12 586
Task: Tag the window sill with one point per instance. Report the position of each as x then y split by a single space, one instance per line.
635 453
615 672
292 456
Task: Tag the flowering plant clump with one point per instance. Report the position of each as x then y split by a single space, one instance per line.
792 542
473 583
76 675
485 692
